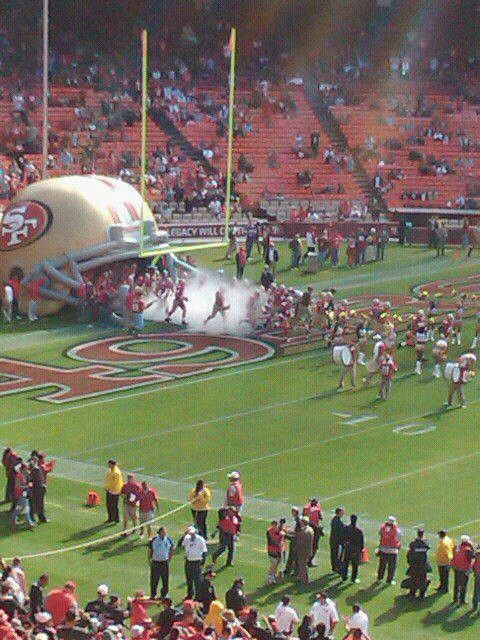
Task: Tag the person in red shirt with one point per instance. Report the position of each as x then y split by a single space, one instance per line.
235 496
179 302
148 507
314 513
34 297
275 548
388 368
229 525
132 492
128 311
139 609
59 601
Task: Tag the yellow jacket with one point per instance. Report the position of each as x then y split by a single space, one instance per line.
114 480
201 501
445 551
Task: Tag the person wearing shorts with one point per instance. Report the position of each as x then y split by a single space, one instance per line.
131 492
148 508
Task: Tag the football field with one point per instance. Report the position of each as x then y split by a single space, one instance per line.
280 422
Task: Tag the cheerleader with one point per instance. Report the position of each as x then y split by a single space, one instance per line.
440 355
458 324
477 331
362 341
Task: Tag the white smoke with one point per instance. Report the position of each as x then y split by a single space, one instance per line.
200 291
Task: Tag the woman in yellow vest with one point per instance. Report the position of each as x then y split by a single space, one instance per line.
199 499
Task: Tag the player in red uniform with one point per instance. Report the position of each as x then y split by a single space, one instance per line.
219 305
179 302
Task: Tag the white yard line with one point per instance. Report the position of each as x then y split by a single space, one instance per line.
164 386
192 425
401 476
464 524
276 454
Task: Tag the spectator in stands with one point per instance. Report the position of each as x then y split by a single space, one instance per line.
272 159
59 601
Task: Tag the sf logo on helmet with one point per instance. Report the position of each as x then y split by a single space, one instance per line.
23 223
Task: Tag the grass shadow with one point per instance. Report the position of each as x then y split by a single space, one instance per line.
86 533
404 604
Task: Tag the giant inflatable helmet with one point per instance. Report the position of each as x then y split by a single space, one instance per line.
59 228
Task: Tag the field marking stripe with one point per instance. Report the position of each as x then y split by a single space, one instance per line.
91 543
401 476
192 425
301 447
342 436
464 524
279 361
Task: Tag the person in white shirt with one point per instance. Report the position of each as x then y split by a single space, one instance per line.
359 620
7 302
195 554
286 616
325 611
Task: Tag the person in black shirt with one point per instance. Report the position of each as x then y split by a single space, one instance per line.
98 606
37 595
38 478
9 603
352 554
114 611
337 538
305 629
206 590
165 618
235 597
73 628
418 566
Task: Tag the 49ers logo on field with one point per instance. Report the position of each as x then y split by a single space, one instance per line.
23 223
156 358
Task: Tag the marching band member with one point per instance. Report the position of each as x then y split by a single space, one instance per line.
351 368
362 341
373 365
388 368
466 363
477 331
440 355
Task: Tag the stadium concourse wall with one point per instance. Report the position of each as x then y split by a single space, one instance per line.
197 231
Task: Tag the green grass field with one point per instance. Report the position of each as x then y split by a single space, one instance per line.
282 425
